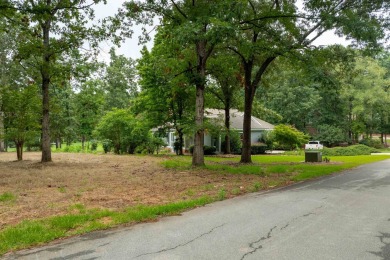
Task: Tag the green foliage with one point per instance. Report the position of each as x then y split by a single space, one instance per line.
124 130
107 145
258 148
352 150
289 137
94 145
235 142
21 108
120 85
330 135
375 143
152 145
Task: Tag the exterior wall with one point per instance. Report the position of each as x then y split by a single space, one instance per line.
207 140
255 136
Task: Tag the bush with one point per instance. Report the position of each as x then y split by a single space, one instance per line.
235 142
376 143
94 145
259 148
349 151
289 137
208 150
107 145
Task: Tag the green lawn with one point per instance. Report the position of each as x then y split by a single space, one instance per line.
291 165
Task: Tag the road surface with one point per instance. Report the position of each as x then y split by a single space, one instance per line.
345 216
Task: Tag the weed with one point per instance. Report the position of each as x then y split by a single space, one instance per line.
222 194
236 191
7 197
208 187
190 192
257 186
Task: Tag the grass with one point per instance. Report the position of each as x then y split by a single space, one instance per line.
7 197
288 165
35 232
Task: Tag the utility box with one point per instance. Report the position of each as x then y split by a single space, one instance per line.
313 156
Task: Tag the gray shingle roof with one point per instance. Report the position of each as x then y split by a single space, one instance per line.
237 119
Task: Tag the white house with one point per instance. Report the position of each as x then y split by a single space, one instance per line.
258 127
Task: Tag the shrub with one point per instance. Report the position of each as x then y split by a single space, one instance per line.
208 150
376 143
258 148
94 145
235 142
107 145
349 151
289 137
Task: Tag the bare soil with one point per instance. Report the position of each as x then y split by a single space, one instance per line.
106 181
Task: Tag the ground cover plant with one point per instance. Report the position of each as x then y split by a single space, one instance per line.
82 192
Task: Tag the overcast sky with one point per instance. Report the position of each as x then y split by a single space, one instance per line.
131 48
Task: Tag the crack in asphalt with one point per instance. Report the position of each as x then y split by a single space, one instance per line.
184 244
251 245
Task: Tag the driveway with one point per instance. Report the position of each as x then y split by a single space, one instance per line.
345 216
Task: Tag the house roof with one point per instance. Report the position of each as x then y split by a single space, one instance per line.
237 119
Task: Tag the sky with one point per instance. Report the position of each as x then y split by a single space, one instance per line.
130 47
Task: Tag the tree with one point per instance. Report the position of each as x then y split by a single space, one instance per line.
21 112
89 103
120 85
52 28
166 99
123 130
330 135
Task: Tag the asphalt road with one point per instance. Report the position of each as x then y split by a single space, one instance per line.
345 216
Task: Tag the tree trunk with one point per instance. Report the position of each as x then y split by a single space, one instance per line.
82 142
246 142
181 141
200 82
45 73
19 150
198 153
227 126
2 146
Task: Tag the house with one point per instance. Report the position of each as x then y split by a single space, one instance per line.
258 127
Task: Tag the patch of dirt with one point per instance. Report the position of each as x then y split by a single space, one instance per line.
107 181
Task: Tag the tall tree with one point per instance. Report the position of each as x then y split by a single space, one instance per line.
21 110
120 81
89 103
165 97
53 28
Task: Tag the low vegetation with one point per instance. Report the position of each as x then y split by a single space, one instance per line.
352 150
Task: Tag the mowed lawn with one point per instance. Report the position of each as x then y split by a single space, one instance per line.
78 193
